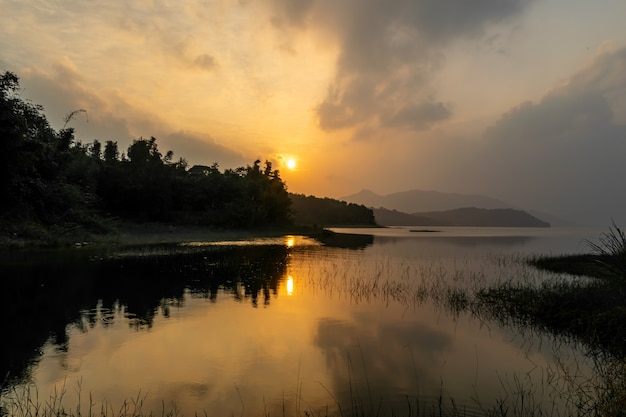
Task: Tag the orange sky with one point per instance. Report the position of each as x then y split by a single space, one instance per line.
522 100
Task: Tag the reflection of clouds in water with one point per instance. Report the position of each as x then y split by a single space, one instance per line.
382 361
446 244
198 390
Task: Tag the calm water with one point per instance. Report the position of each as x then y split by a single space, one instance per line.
355 323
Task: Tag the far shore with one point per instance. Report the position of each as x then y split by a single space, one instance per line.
150 233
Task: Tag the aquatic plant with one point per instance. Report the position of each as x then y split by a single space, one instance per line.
26 402
611 252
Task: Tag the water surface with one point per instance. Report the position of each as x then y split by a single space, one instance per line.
356 322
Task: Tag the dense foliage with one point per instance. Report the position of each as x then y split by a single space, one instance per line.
328 211
48 178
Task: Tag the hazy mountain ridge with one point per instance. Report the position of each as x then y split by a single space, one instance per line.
386 217
414 201
433 208
481 217
461 217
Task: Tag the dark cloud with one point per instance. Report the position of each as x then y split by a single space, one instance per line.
566 152
389 52
451 18
205 61
417 117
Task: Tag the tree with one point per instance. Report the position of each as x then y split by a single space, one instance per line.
111 154
95 150
144 152
45 175
328 211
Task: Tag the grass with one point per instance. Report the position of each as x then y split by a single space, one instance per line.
591 310
611 253
26 402
590 313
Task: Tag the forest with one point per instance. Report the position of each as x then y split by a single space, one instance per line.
330 212
49 180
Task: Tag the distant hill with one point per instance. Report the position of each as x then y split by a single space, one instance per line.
385 217
481 217
423 201
467 216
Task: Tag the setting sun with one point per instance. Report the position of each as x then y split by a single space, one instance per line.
291 163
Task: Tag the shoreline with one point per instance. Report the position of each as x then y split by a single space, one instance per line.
126 234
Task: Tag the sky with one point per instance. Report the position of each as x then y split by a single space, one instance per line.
520 100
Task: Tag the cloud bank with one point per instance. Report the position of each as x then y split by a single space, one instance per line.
564 153
389 52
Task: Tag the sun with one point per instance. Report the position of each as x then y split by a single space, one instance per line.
291 163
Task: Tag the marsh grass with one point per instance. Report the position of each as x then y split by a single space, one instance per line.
519 397
590 313
611 253
591 309
26 401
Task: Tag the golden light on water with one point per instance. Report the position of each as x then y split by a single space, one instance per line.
289 285
290 241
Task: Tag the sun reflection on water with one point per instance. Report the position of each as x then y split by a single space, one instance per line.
289 285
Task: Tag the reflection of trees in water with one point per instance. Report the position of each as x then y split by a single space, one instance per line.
44 293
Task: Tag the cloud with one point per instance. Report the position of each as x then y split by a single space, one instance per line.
205 61
566 151
389 53
418 116
63 90
112 117
200 149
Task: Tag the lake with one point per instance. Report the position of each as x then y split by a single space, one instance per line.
360 323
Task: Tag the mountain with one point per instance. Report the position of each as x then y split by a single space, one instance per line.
423 201
385 217
461 217
481 217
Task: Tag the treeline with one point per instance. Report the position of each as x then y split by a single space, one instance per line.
329 212
50 179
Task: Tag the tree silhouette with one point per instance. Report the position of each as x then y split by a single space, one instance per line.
48 178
